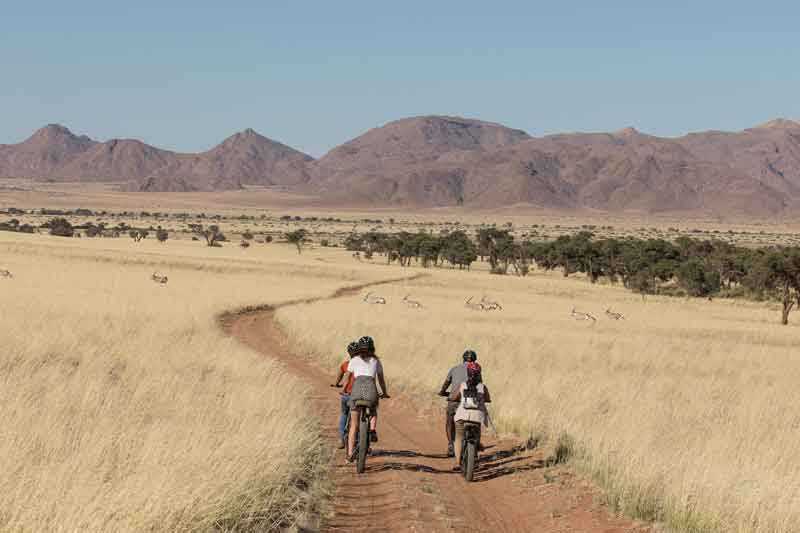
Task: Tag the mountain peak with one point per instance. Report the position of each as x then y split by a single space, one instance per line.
52 131
627 132
779 123
58 135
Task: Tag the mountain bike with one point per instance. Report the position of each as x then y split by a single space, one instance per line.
362 445
469 449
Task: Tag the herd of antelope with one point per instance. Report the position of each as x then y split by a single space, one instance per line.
486 304
578 315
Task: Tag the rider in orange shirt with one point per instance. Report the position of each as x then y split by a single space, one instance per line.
344 409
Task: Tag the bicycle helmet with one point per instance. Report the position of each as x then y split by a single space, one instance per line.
470 356
352 348
366 343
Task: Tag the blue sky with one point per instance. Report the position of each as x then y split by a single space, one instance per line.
314 74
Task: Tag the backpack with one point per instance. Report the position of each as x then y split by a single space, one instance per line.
470 398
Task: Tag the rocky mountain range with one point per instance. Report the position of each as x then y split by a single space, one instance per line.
441 161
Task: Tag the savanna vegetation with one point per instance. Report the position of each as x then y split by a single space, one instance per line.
124 405
685 411
685 267
132 410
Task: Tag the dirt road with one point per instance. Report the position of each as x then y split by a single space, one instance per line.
409 484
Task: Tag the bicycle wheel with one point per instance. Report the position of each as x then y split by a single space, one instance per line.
363 444
469 460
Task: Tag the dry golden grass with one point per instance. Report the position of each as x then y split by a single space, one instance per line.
124 405
688 411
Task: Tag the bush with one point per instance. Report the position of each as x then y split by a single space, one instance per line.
92 231
60 227
324 243
268 238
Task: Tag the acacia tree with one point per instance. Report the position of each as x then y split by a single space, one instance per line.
298 238
61 227
777 275
212 234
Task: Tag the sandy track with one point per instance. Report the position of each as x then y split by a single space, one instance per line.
409 484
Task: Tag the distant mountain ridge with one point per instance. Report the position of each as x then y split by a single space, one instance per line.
441 161
245 158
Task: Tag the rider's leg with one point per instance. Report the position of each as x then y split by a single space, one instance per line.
449 426
459 434
449 423
351 439
344 410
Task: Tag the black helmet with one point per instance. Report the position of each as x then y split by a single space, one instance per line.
470 356
352 348
367 344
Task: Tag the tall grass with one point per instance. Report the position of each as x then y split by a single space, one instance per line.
126 408
687 412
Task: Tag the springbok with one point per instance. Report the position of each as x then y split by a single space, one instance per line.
370 299
490 305
577 315
614 316
6 274
474 306
413 304
159 278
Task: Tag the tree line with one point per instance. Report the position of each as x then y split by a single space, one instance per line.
683 267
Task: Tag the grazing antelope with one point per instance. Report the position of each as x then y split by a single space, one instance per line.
614 316
357 256
159 278
413 304
577 315
6 274
370 299
474 306
490 305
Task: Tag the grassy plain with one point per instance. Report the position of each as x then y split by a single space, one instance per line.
687 411
125 407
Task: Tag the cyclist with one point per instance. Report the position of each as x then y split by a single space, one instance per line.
344 397
455 377
472 397
366 369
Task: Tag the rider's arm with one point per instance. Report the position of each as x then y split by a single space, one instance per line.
445 385
455 395
382 383
486 397
339 375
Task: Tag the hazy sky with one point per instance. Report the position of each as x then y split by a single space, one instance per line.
314 74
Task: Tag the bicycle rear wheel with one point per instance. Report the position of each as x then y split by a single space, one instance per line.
363 444
469 460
